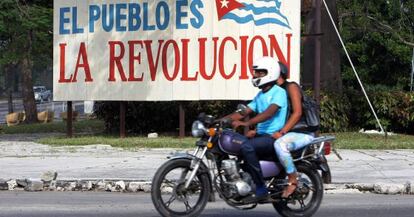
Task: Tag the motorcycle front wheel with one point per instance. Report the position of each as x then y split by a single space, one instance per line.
168 192
307 197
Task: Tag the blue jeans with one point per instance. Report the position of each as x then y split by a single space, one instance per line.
254 149
287 143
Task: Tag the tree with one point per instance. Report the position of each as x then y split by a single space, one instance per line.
380 39
25 35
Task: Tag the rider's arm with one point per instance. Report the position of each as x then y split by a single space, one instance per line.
267 114
236 116
295 96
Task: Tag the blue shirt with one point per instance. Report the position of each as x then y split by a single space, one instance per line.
276 95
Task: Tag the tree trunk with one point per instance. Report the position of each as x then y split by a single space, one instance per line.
331 79
9 80
27 84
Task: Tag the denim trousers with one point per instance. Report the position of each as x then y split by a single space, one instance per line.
287 143
254 149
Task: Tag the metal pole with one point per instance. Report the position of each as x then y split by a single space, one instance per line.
412 73
317 70
182 121
353 68
122 111
69 129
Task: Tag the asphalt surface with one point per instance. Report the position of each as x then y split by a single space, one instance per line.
90 204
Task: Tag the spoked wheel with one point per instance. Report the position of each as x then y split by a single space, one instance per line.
306 199
169 195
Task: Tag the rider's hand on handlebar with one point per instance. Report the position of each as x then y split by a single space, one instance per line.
237 124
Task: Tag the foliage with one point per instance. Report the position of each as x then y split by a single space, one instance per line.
19 17
334 113
379 35
395 109
145 117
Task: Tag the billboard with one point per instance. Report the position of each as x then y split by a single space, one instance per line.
163 50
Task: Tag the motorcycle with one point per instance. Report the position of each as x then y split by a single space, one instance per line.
183 185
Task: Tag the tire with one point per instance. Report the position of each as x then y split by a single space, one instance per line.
315 199
175 192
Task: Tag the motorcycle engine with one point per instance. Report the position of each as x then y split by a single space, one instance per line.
238 184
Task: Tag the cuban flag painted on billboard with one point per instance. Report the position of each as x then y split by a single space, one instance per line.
261 12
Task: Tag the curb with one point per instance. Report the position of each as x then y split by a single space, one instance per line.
130 185
377 188
109 185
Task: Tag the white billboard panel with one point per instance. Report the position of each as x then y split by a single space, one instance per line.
162 50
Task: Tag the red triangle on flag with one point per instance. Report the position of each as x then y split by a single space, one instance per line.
225 6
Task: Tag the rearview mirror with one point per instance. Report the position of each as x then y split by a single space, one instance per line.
242 109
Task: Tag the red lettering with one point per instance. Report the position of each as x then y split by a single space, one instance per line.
243 58
153 66
274 47
85 64
202 58
165 60
116 60
221 58
132 59
251 49
185 76
62 78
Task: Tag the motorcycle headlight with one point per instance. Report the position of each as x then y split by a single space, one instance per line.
198 129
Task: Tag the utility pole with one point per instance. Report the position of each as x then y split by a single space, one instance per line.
317 75
412 72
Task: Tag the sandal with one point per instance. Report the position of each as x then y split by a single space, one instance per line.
289 189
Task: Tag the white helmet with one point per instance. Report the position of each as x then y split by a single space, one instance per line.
272 68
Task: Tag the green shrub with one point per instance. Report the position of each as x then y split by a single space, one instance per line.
349 111
395 109
335 112
145 117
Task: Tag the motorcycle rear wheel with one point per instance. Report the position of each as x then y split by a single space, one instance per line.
168 194
314 183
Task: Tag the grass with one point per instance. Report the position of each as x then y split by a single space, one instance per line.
130 142
83 126
94 128
347 140
353 140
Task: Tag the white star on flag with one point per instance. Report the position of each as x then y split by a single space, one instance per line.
224 3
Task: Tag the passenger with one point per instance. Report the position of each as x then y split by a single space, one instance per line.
291 137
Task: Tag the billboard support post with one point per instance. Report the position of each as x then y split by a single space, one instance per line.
182 121
317 70
69 128
122 111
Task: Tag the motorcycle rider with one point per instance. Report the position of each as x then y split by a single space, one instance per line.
270 105
291 138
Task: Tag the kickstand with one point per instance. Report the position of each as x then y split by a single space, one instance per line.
336 153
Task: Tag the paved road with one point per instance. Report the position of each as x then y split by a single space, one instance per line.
57 107
78 204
